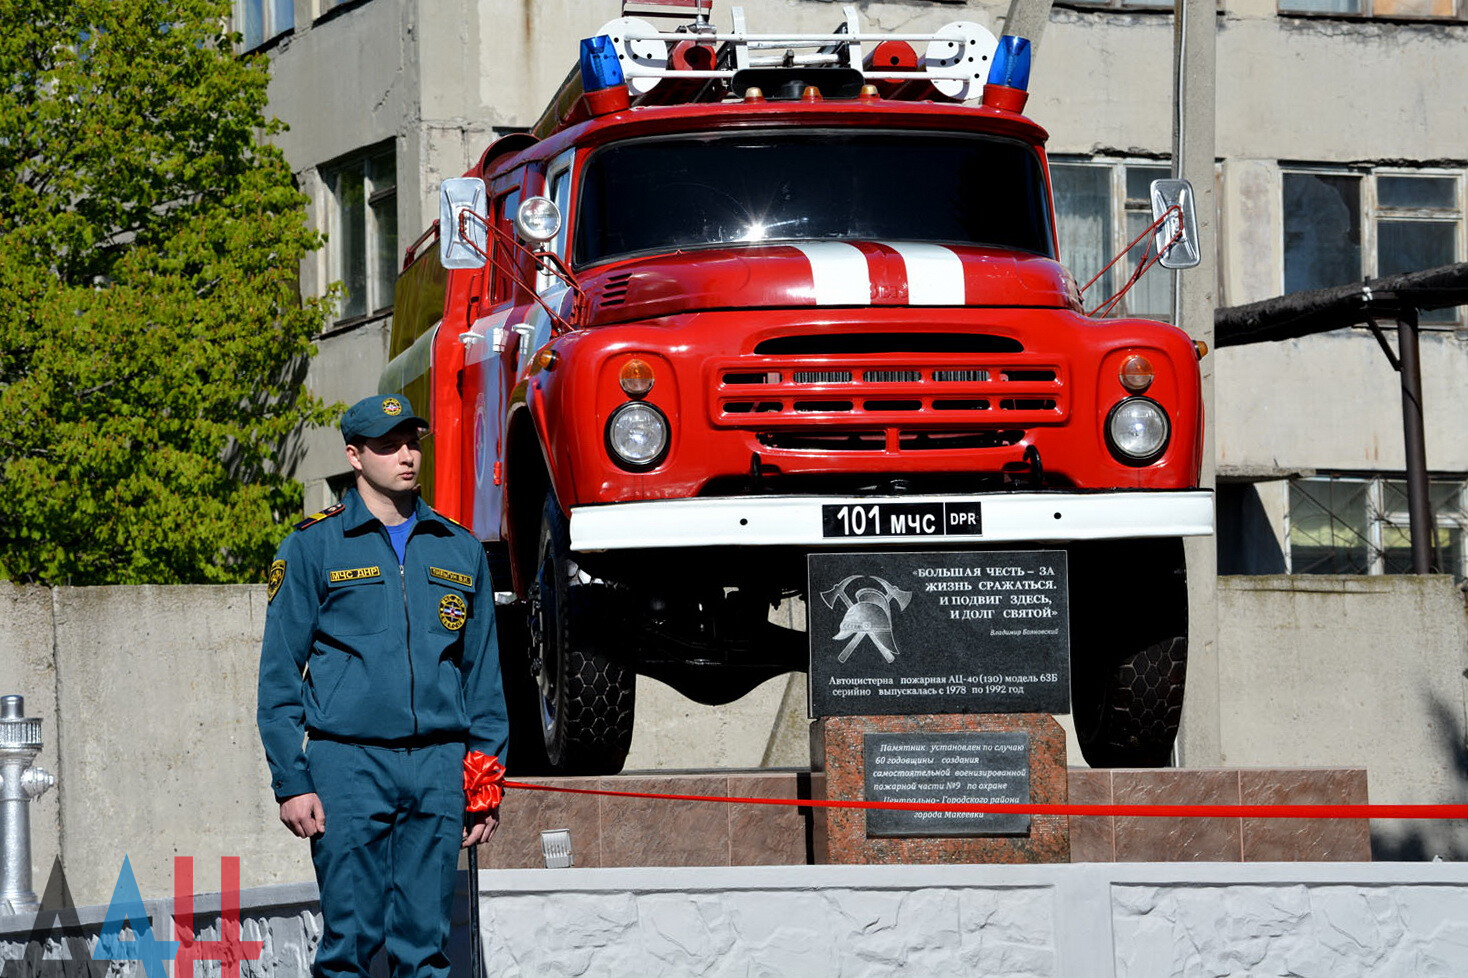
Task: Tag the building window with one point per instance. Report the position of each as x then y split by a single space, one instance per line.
1359 525
362 231
337 486
1164 5
260 20
1341 227
1396 9
327 6
1099 208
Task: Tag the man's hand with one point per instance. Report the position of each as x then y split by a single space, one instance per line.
302 814
480 826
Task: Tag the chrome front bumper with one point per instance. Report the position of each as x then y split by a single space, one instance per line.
808 521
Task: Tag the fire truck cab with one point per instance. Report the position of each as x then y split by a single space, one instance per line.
728 304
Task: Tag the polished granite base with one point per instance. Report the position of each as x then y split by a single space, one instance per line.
615 831
1137 839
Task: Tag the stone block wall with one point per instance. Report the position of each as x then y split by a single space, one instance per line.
1096 921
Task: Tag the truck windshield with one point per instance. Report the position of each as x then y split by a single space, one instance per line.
652 195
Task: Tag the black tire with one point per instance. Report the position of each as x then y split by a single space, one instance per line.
1129 627
586 696
1129 715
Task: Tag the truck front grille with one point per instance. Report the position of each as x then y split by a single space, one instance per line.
904 407
876 441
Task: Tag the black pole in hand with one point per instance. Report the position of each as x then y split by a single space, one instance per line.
476 946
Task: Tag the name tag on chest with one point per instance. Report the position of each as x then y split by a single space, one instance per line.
452 577
354 574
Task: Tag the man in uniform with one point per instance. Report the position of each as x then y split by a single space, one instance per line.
388 610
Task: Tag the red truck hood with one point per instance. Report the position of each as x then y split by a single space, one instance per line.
824 273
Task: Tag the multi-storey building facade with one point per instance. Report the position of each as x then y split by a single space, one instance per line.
1340 156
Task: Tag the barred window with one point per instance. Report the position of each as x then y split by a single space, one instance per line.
1343 524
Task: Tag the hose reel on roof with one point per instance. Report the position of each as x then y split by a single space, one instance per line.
636 50
964 49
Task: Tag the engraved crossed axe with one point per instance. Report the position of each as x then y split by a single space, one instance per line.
868 616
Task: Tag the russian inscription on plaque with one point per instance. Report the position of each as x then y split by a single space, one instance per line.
924 633
978 768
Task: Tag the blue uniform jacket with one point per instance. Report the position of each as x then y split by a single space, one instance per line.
391 655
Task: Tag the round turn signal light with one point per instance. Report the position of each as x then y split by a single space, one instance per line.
636 378
1136 373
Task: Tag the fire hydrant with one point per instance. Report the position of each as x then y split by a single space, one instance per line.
20 742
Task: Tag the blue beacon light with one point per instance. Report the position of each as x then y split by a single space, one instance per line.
600 67
1011 65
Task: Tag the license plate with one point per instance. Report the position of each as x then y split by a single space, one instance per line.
901 520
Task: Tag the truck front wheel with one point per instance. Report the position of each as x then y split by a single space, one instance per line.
585 694
1129 650
1128 714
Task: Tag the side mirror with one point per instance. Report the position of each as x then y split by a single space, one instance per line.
538 219
463 223
1180 223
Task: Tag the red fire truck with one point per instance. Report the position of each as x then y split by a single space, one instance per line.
737 298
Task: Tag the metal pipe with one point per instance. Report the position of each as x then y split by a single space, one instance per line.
1027 19
784 40
1419 504
20 742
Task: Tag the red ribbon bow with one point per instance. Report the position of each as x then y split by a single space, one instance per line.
484 781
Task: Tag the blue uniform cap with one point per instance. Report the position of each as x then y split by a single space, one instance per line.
375 416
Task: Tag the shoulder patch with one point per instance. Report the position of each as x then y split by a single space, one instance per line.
274 580
318 517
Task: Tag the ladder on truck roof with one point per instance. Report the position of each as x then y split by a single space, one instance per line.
951 63
669 8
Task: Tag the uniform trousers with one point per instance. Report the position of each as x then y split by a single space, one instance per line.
387 861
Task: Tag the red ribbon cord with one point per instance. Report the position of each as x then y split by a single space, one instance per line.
1154 811
484 781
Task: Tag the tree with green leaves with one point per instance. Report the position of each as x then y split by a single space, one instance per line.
153 338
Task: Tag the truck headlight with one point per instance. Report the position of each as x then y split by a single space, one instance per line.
637 434
1137 430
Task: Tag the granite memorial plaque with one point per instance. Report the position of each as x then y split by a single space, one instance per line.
895 634
981 768
842 764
